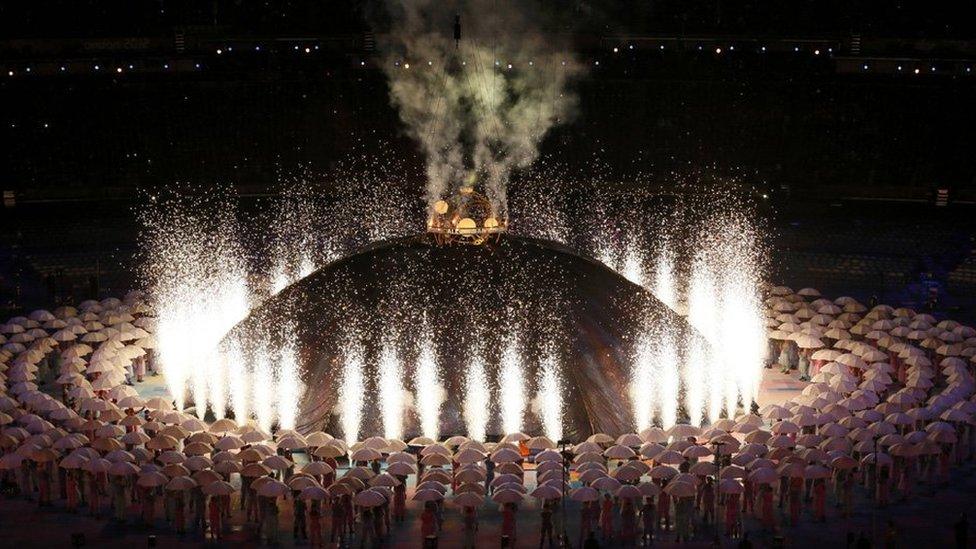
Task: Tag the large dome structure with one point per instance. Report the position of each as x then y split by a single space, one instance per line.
536 296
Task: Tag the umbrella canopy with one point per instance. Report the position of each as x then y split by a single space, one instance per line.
649 489
436 460
468 499
366 454
696 451
471 487
314 493
763 476
619 452
273 488
255 470
730 486
430 495
506 455
97 465
369 498
662 472
122 468
507 495
441 476
584 493
470 475
277 463
401 468
816 471
628 492
607 484
627 473
74 461
384 479
548 455
546 492
152 479
541 443
218 488
680 489
670 457
206 476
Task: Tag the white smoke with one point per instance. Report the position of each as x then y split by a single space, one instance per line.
479 107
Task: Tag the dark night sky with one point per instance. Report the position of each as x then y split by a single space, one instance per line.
907 18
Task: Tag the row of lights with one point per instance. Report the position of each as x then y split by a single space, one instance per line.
796 49
731 47
406 65
98 68
120 69
916 70
298 48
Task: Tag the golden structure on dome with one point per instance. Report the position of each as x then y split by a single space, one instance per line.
465 218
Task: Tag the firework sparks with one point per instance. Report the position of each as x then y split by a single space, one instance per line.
633 266
352 393
511 388
289 390
297 246
550 395
200 290
701 314
217 385
263 390
742 333
664 278
279 280
237 379
668 369
430 392
477 398
390 384
643 383
306 266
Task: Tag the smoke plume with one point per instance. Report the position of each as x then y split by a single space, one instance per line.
480 106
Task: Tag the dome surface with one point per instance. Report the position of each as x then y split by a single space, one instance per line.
535 297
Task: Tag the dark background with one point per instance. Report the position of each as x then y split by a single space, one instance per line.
867 166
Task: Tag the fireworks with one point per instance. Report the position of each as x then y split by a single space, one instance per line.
200 285
643 385
351 393
430 393
263 390
742 333
217 385
633 266
237 378
200 289
477 397
668 368
511 387
550 396
664 283
390 394
295 243
288 384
